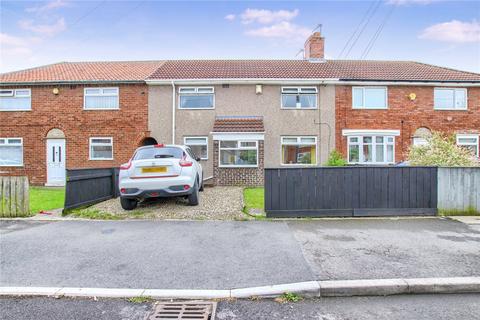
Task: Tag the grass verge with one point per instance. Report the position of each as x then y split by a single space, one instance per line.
253 198
45 198
93 214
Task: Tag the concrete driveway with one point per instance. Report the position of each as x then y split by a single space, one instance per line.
222 255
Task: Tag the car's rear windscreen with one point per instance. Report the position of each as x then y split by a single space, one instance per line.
159 153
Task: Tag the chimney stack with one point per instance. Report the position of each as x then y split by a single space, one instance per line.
314 47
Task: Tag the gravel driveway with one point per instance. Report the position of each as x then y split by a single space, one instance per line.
216 203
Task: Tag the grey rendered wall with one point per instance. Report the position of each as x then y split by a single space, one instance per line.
458 188
242 100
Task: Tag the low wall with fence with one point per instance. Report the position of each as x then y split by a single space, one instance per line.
14 197
89 186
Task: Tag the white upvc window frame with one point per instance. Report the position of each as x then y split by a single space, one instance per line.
197 144
469 136
360 144
239 147
194 91
13 94
364 89
298 93
99 144
8 144
298 143
435 106
101 95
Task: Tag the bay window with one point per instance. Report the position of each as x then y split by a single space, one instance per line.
371 149
196 98
238 153
299 150
11 152
299 97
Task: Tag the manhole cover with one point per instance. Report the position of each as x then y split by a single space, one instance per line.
184 310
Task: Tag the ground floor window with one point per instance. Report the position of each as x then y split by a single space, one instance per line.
371 149
11 152
101 148
199 146
238 153
299 150
469 141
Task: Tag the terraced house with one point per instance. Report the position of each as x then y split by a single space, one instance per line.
239 116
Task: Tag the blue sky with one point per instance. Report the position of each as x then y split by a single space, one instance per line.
445 33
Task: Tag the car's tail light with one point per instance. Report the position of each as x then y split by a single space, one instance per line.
184 162
127 165
123 190
160 145
186 187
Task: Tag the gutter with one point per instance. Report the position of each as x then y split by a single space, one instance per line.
44 83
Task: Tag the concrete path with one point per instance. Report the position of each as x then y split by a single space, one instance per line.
425 307
223 255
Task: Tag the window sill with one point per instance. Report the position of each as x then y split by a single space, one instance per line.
101 159
196 108
100 109
299 164
15 110
11 165
369 108
223 166
444 109
283 108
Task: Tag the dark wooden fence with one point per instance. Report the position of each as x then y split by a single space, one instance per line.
350 191
89 186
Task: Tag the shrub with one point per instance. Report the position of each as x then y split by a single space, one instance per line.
335 159
441 150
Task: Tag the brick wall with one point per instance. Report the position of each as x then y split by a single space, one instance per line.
238 176
404 115
127 126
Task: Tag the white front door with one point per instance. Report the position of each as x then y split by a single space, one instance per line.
55 162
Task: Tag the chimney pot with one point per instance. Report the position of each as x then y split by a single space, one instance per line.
314 47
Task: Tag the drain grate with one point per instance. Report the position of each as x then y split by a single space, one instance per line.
193 310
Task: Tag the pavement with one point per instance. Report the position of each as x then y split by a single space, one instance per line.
411 307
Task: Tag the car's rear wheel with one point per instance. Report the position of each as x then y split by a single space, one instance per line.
201 187
193 197
128 204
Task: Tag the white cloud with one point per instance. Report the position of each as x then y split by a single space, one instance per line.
43 29
267 16
454 31
51 5
282 29
230 17
8 40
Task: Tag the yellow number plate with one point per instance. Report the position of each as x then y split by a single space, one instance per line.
154 170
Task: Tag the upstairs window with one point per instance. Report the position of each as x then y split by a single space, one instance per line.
369 97
450 99
196 98
11 152
15 100
469 141
101 98
299 150
101 148
299 97
199 146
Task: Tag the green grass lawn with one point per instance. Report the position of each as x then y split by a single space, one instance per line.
253 198
43 198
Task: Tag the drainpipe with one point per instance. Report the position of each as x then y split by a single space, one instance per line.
173 112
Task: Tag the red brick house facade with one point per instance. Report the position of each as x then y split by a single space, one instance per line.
59 109
406 115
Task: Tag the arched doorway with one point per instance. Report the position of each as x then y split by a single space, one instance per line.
148 141
56 157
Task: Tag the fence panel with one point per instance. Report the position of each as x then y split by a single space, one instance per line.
350 191
89 186
14 197
459 189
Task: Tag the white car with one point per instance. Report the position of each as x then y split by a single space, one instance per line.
160 171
